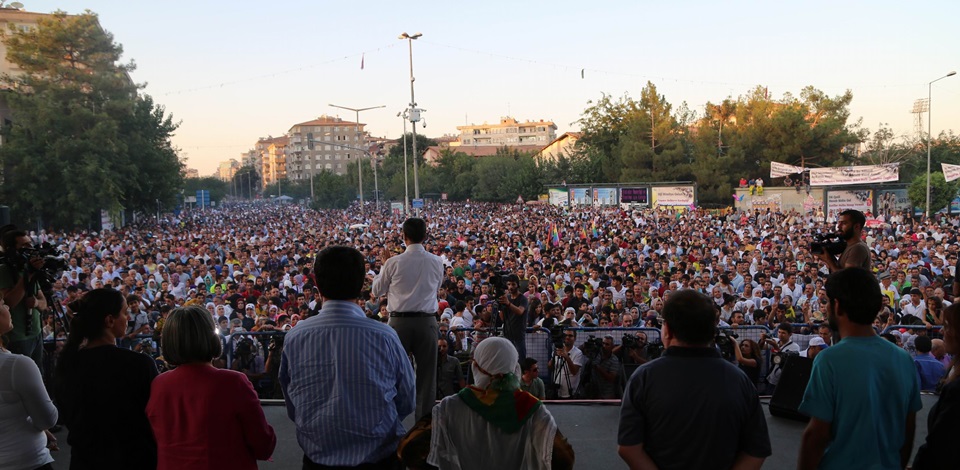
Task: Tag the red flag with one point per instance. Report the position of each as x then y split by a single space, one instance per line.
361 61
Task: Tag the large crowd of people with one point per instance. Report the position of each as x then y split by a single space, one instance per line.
519 271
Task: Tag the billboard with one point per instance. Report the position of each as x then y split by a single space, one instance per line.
839 201
604 196
633 195
581 197
772 203
673 196
891 201
558 196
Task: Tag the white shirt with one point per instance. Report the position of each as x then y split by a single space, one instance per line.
25 411
560 374
410 280
915 310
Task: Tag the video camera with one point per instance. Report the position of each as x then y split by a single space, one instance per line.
53 261
832 243
592 346
498 280
556 336
726 341
780 358
651 350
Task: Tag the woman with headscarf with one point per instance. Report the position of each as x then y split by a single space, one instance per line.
492 424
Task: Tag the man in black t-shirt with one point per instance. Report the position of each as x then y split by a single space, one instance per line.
657 421
513 313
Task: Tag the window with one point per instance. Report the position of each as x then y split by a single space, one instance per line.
327 148
329 166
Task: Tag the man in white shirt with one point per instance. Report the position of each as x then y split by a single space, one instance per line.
566 371
410 282
914 309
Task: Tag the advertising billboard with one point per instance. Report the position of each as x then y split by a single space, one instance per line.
633 195
673 196
604 196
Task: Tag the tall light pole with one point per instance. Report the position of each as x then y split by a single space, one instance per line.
929 132
376 185
360 160
406 186
414 115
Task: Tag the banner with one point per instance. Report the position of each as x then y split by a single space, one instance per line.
778 170
558 196
839 201
854 175
604 196
581 197
673 196
892 201
950 172
773 203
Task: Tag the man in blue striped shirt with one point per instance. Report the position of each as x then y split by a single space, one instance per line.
347 380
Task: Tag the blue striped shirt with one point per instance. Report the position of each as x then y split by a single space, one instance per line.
348 383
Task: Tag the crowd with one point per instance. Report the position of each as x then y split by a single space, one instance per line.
510 270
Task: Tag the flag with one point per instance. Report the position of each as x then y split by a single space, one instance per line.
554 234
583 233
593 227
361 61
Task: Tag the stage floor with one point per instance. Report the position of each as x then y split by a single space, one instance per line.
591 429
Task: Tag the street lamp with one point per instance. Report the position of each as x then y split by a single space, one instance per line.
414 115
357 125
406 186
929 132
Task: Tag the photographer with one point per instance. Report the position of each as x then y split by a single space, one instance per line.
566 369
248 361
857 253
783 345
20 289
513 313
633 349
606 369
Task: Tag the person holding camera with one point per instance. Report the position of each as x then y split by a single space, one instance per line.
691 394
606 370
566 365
20 289
779 347
857 253
513 313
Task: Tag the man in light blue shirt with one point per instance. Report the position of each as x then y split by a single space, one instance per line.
347 380
863 394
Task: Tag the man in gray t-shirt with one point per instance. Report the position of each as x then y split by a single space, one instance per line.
857 253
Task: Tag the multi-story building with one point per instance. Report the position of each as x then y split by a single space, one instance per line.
271 157
508 133
565 146
227 169
324 144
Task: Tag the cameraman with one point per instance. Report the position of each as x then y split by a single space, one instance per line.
566 373
606 367
513 313
633 349
783 345
20 289
857 253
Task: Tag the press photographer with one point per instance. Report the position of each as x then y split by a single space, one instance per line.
605 371
566 365
857 253
20 276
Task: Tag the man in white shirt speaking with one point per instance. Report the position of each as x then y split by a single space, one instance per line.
410 281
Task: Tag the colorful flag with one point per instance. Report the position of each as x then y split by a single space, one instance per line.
593 226
555 234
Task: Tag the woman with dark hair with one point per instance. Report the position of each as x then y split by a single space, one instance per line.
189 401
25 409
940 451
748 359
103 390
934 311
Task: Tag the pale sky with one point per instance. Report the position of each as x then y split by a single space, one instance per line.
235 71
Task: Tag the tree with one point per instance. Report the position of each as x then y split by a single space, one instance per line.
246 182
391 171
80 126
217 187
941 192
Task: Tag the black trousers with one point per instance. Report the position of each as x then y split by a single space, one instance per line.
389 463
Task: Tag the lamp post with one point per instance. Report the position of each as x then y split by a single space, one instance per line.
414 115
930 134
357 126
406 186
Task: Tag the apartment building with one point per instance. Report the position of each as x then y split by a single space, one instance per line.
271 159
227 169
508 132
326 143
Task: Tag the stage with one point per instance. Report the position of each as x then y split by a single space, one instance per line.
591 429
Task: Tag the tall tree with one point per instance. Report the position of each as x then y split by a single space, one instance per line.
79 126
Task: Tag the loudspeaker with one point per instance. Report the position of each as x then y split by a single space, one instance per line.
789 393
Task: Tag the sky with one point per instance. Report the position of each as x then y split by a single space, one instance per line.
232 72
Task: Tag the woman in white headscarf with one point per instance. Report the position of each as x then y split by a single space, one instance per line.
492 424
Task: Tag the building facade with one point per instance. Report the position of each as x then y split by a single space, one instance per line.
508 132
324 144
227 169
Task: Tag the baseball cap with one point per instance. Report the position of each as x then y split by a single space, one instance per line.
817 341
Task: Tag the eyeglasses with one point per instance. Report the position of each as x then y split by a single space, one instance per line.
569 336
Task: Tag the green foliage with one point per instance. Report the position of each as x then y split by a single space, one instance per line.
79 126
246 183
218 188
941 192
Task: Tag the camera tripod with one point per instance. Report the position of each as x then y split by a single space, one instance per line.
561 372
